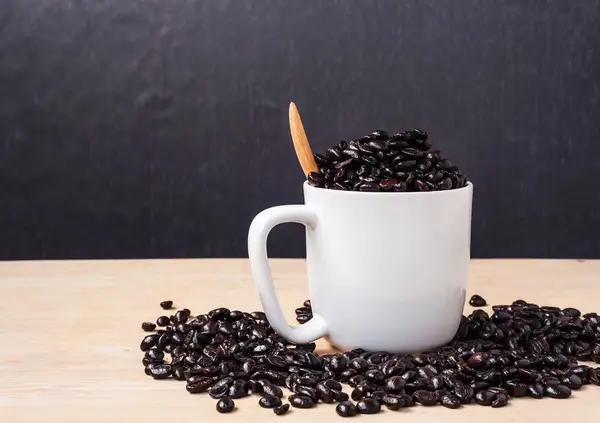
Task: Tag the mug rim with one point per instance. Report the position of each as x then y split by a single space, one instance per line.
469 185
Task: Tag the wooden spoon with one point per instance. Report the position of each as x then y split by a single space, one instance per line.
301 145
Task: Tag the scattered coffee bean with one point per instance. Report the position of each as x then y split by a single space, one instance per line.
477 301
424 397
269 401
163 321
521 349
149 341
281 410
148 326
166 305
557 391
346 409
225 405
485 398
499 401
392 402
450 401
301 401
368 406
161 371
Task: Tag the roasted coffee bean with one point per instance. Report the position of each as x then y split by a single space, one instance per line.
166 305
413 153
369 187
180 317
360 392
324 393
269 402
307 391
198 384
148 326
346 409
535 390
239 389
340 396
301 401
154 354
179 374
163 321
225 405
221 388
521 349
387 184
375 376
356 380
500 400
424 397
450 401
557 391
149 341
392 402
395 384
572 382
272 390
161 371
281 410
477 301
368 406
515 388
485 398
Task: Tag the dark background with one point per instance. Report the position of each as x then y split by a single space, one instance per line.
158 128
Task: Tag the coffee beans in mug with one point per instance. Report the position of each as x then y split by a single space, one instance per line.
493 357
379 162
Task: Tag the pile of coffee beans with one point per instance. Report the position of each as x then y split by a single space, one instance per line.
380 162
520 350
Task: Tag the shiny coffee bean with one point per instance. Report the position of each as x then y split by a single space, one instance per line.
368 406
272 390
301 401
281 410
166 305
499 401
360 392
557 391
477 301
485 398
198 384
269 402
340 396
239 389
225 405
392 402
375 376
148 326
450 401
160 371
163 321
346 409
149 341
515 388
424 397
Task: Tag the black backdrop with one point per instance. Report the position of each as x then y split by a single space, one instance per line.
158 128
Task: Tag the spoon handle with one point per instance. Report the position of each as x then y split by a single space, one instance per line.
301 145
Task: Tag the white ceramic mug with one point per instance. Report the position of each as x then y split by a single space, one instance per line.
386 271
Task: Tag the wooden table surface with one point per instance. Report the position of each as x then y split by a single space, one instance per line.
71 331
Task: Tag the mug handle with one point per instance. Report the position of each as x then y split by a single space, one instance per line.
262 224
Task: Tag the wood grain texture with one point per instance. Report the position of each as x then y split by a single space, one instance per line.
71 333
301 144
